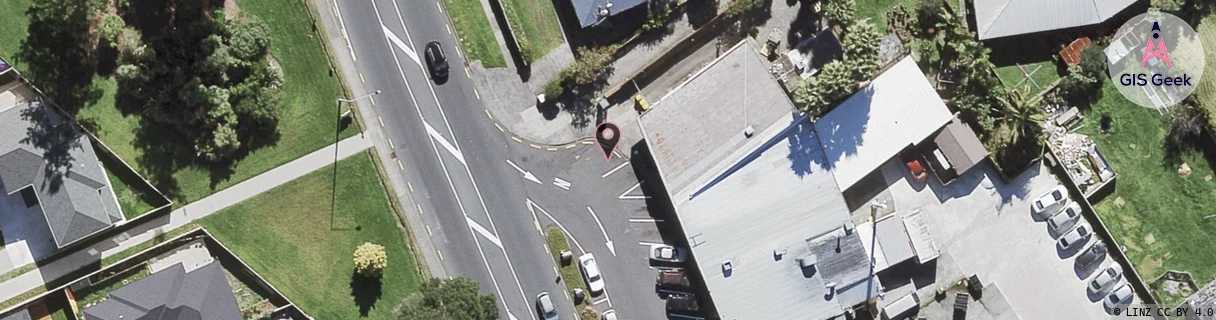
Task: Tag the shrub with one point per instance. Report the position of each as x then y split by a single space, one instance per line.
658 18
590 64
841 12
109 28
928 13
127 73
737 7
370 259
554 89
250 38
861 49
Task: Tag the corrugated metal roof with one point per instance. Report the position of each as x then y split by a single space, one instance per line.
960 145
1002 18
897 109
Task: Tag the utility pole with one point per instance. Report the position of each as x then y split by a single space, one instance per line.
333 202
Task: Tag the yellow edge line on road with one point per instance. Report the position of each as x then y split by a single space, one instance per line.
499 127
449 27
440 254
516 139
428 231
551 149
411 185
381 121
439 6
391 145
477 94
534 146
587 142
361 79
569 146
399 165
466 72
419 208
373 99
488 113
460 54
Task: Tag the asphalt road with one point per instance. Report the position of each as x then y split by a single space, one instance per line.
472 202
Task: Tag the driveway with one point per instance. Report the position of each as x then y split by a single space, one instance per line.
983 226
26 235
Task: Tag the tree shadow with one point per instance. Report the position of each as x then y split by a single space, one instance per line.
366 292
701 12
804 24
53 135
57 56
580 101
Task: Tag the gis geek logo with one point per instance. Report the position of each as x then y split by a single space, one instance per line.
1156 52
1170 60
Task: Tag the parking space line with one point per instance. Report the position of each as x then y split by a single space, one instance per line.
624 195
646 220
647 244
610 172
561 183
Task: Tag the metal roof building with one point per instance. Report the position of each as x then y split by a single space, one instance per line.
898 109
1003 18
766 223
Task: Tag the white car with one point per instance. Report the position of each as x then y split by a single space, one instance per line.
609 315
666 253
1078 235
1066 218
1054 197
1108 277
591 273
1118 296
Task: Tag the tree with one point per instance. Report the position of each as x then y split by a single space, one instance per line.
370 259
841 12
109 28
737 7
1021 117
823 91
127 73
250 38
131 48
590 64
455 299
861 49
928 13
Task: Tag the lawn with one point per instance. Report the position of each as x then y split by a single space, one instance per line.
1207 85
535 24
1042 74
286 235
476 36
132 198
306 120
874 9
1157 214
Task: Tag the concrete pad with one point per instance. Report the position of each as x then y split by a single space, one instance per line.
26 235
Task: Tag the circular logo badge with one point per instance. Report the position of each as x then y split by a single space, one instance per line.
1155 59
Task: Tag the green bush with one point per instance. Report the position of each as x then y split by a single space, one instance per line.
737 7
554 89
841 12
657 19
370 259
109 28
250 38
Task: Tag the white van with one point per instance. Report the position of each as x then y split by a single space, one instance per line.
902 307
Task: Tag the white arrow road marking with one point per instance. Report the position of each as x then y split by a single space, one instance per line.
401 44
608 241
482 230
624 196
559 225
435 134
527 174
561 183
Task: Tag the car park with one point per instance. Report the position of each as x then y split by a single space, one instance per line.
1078 235
436 60
1095 252
591 273
1066 218
608 315
667 253
1108 277
1118 296
1049 200
545 307
672 280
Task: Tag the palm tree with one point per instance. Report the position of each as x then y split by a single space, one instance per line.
1021 117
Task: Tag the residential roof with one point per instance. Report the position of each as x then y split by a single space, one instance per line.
19 315
898 109
588 11
960 145
172 294
761 203
42 150
1003 18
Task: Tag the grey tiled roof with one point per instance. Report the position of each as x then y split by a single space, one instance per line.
19 315
41 150
588 10
172 294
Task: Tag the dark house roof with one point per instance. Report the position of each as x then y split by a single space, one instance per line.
172 294
41 150
588 11
19 315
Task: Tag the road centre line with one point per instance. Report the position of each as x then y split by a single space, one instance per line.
482 230
443 166
400 44
610 172
476 189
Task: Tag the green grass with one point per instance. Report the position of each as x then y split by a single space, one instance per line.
571 276
1206 89
1156 213
286 236
874 9
13 22
98 291
476 36
534 23
134 199
1011 76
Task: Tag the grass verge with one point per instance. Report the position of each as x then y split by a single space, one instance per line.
289 236
475 34
571 276
1157 214
535 24
1206 88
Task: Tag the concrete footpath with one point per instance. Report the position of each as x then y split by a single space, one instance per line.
148 230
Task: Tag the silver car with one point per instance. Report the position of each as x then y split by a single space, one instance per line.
544 305
1109 276
662 252
1066 218
609 315
1054 197
1119 296
1078 235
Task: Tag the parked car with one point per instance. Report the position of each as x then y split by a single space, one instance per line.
1078 235
591 273
917 168
1094 253
666 253
1066 218
1118 296
544 305
1109 276
435 59
672 280
683 304
608 315
1054 197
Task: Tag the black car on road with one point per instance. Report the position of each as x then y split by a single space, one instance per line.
436 60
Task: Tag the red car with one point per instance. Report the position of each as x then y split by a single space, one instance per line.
916 167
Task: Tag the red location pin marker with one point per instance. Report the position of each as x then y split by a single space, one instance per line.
607 135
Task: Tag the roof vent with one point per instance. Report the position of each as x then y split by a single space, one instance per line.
848 227
831 286
808 260
749 131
